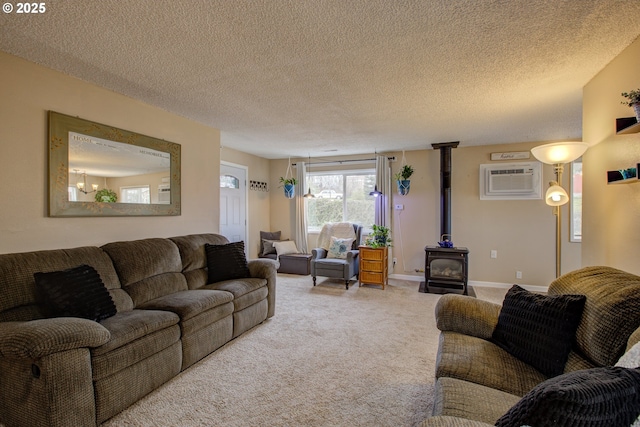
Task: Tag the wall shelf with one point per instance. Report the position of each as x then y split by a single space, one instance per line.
623 176
627 125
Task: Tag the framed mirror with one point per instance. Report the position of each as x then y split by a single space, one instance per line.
100 170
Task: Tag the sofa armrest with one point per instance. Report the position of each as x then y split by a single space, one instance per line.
38 338
264 268
466 315
446 421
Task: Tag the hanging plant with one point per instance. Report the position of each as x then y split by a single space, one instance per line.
402 179
106 196
288 182
289 185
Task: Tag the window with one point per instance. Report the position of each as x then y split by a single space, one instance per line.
135 194
575 210
340 196
73 194
229 181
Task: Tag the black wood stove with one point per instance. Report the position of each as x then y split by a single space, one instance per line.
446 268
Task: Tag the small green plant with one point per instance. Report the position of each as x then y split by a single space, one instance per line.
404 173
287 181
379 238
632 96
106 196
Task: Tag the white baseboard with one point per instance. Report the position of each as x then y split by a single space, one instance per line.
532 288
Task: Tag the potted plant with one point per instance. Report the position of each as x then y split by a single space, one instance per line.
633 100
402 179
106 196
289 185
379 238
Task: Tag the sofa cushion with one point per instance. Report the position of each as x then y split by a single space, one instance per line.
245 291
611 313
226 262
147 268
17 299
539 329
480 361
74 292
465 399
606 396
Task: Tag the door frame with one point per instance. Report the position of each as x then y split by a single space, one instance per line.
246 201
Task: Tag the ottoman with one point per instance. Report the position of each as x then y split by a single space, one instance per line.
295 264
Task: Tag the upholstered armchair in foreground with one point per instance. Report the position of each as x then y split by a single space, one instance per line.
337 252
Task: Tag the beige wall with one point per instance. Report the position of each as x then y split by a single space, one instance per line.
258 201
522 231
612 212
28 92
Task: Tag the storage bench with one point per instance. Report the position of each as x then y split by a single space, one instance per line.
295 264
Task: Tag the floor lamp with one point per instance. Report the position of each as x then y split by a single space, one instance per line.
557 154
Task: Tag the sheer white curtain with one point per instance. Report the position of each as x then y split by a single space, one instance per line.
300 231
383 181
383 204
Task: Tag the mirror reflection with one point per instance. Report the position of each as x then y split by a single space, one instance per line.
107 171
101 170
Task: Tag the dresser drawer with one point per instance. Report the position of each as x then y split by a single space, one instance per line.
371 277
366 264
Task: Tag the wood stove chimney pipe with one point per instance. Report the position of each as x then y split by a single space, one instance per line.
445 184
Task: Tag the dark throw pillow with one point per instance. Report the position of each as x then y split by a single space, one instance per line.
226 262
607 397
76 292
269 235
539 329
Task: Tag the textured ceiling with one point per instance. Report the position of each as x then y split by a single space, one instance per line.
320 78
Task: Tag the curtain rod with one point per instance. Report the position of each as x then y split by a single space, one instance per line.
340 162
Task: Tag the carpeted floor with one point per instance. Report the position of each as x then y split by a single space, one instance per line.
329 357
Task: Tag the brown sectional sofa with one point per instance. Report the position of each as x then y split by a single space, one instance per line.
477 382
76 372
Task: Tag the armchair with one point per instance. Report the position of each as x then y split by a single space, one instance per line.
344 268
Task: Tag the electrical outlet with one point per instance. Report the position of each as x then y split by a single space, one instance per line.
518 274
494 253
395 260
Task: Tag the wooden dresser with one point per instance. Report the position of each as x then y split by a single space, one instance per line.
374 266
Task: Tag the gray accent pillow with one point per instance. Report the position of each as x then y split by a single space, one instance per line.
269 235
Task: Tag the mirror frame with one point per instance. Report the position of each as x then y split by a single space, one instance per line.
59 205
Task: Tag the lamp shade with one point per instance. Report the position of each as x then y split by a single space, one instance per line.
559 152
556 195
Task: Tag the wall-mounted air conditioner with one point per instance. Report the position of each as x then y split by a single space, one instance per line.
164 194
511 181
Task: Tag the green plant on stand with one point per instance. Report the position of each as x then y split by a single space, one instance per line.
379 238
402 179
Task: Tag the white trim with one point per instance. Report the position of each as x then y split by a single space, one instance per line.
532 288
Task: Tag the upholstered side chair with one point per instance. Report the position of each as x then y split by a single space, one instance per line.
337 267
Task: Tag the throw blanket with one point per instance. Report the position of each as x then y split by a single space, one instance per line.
341 230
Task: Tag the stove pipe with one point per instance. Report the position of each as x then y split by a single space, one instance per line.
445 185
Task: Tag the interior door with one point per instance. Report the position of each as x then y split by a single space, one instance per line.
233 203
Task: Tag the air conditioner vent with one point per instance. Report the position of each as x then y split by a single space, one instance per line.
513 181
